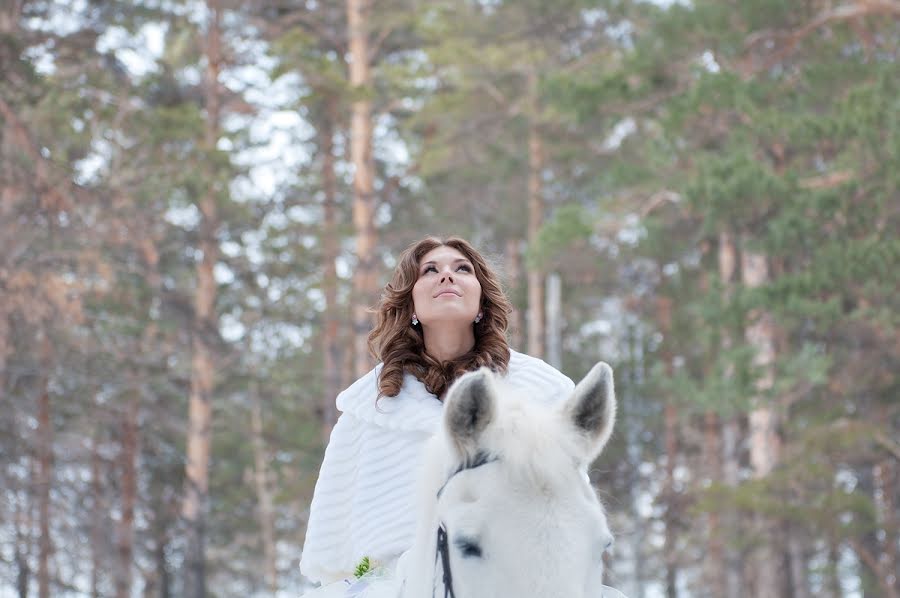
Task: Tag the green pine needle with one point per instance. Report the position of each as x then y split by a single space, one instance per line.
363 567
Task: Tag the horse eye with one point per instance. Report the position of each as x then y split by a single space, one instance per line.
468 547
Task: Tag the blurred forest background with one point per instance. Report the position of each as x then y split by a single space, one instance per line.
199 200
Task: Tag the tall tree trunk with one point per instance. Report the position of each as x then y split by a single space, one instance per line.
733 571
45 469
714 563
5 330
99 514
24 538
554 320
146 246
128 470
158 580
713 566
637 489
514 274
363 180
535 219
888 487
348 361
870 549
331 340
799 576
205 325
10 15
263 493
765 442
834 566
670 423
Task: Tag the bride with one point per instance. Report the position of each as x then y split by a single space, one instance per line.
442 314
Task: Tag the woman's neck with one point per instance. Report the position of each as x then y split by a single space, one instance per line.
446 344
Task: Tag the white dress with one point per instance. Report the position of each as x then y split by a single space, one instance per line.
364 501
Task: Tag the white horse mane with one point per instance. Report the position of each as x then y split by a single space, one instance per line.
505 481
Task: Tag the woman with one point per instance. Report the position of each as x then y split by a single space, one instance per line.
442 314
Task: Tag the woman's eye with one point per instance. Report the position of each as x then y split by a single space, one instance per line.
429 269
464 268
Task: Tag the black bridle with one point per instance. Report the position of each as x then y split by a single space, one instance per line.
443 544
443 553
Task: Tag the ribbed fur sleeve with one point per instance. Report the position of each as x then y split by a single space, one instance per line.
363 503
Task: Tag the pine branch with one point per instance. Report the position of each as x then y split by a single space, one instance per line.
846 12
56 192
875 566
828 181
880 439
887 444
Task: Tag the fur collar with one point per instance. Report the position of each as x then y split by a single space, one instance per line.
416 409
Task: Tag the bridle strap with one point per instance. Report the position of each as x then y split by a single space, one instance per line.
443 553
443 548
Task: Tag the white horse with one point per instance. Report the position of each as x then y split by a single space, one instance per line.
507 508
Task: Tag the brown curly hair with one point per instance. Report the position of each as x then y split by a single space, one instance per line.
401 346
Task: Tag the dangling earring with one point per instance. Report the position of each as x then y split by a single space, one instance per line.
478 318
415 321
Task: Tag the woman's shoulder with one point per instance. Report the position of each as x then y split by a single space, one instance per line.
361 389
522 363
531 372
413 409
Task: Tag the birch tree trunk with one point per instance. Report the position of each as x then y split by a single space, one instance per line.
205 325
535 219
765 443
331 341
363 179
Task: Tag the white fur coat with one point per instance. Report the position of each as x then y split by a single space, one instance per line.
364 501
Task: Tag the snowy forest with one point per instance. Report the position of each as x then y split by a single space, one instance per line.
201 201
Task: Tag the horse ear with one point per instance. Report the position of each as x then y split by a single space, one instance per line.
592 408
469 408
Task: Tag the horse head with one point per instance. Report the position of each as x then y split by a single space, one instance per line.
507 506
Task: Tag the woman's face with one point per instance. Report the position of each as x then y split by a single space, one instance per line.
447 290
